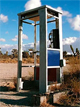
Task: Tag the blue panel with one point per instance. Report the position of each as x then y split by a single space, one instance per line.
53 58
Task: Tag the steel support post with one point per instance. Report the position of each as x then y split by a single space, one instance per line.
58 69
35 51
19 53
43 74
61 45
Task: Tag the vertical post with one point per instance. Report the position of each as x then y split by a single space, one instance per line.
61 45
35 50
43 51
19 53
58 69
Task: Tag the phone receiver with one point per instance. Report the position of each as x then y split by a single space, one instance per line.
50 36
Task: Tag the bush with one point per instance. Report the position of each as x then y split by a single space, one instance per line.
25 55
71 83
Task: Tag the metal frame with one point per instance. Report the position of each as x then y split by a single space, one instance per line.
42 14
43 51
19 54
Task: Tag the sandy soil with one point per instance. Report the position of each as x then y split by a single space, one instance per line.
8 71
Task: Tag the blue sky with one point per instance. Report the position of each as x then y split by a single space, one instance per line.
9 22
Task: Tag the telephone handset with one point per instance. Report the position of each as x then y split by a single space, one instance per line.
51 38
54 38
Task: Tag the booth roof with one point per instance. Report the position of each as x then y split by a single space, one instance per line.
35 12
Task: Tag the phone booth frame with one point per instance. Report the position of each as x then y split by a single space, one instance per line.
41 14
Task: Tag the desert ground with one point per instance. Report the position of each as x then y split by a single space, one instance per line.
8 96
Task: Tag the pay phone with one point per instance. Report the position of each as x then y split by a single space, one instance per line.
54 38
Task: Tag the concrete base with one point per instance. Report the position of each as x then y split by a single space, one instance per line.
57 96
38 100
21 85
51 98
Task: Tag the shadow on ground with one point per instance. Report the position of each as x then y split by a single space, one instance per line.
22 98
3 88
23 101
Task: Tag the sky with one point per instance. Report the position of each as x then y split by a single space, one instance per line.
9 23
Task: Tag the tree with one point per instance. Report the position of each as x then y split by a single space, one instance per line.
72 49
25 54
77 51
64 53
14 53
0 52
7 53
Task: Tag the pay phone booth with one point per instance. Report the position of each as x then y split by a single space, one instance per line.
51 58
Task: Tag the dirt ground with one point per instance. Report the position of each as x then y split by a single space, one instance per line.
8 73
8 98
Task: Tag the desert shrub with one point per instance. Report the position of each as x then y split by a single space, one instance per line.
72 96
72 80
71 83
73 70
25 55
5 56
30 60
67 100
1 56
16 55
75 86
15 60
72 60
24 60
10 86
8 60
45 104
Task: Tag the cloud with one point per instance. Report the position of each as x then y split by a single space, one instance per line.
8 47
23 37
3 18
66 45
25 47
14 39
32 4
30 45
75 23
2 40
65 13
70 40
75 44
